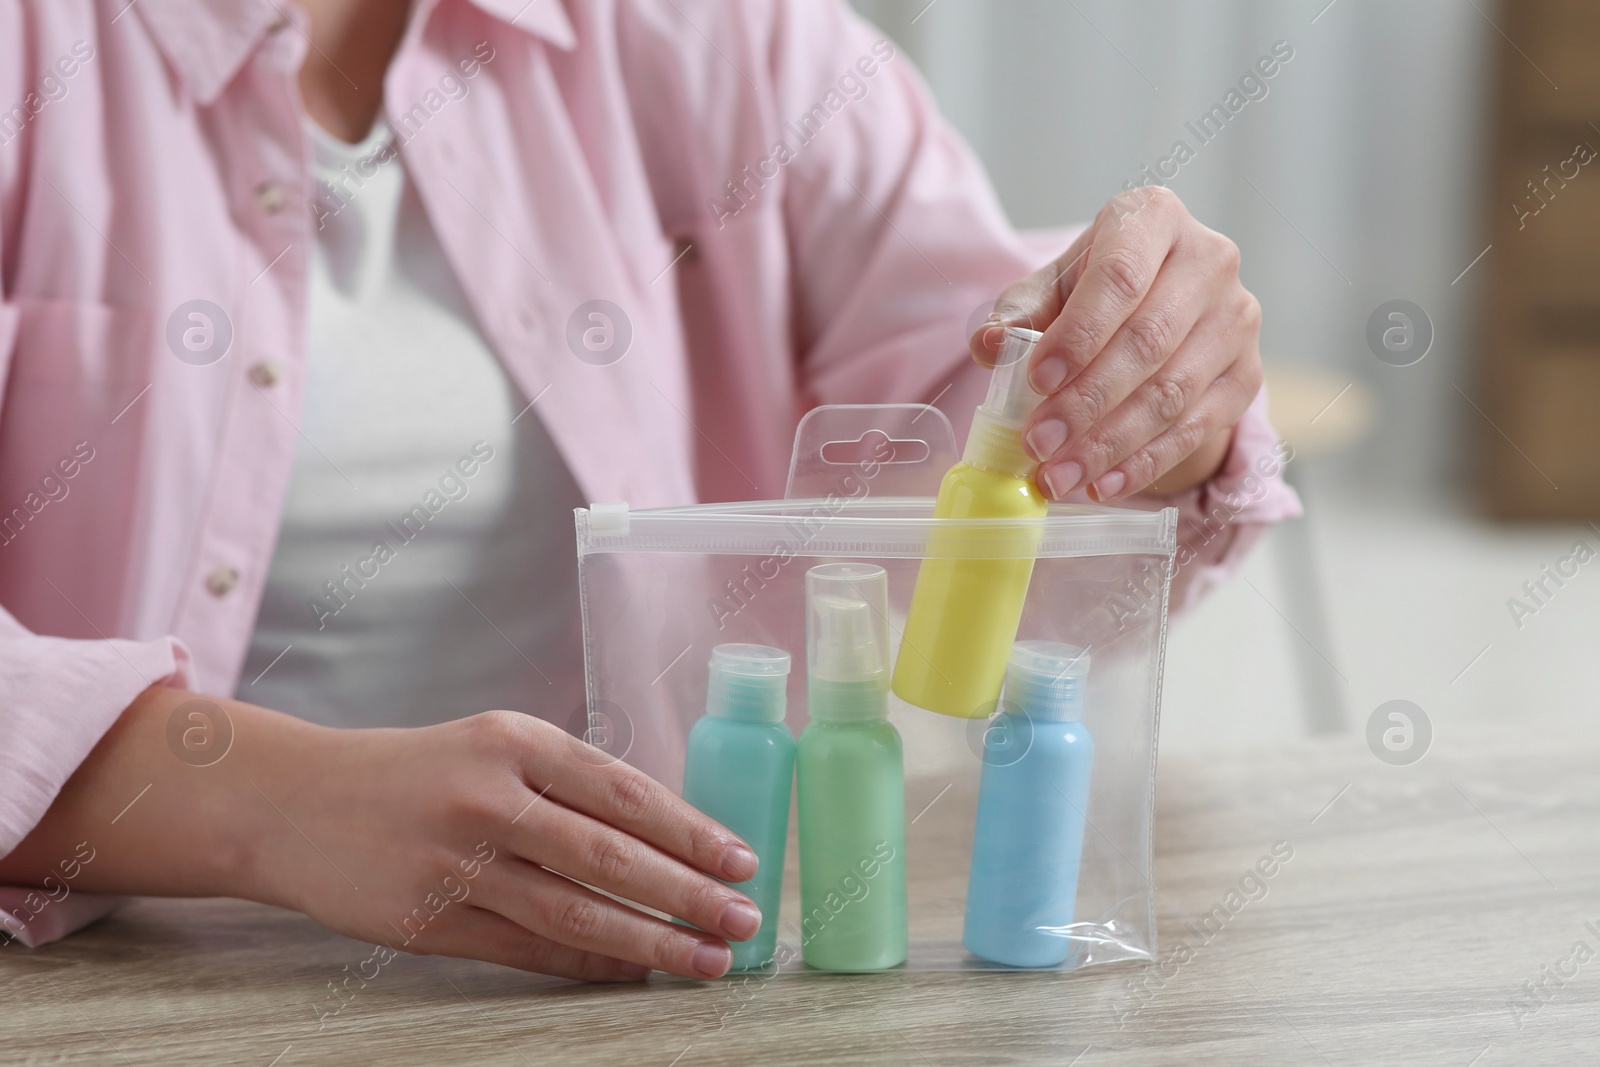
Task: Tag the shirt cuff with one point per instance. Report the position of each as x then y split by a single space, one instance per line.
58 697
32 917
1220 520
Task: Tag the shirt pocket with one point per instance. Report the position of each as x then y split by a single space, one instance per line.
84 344
79 387
78 369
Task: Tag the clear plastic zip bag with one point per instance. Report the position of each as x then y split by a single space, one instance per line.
1014 833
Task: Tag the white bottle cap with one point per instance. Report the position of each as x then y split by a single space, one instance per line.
1045 680
847 642
995 440
747 682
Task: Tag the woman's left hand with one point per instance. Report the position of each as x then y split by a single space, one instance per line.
1149 355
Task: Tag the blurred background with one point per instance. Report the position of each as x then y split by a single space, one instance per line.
1428 151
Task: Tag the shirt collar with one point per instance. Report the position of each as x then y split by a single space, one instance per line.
208 41
543 18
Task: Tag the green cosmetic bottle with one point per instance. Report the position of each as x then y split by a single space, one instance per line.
851 777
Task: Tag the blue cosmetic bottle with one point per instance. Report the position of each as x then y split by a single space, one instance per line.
1023 881
739 770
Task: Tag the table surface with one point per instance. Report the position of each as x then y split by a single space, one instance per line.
1418 902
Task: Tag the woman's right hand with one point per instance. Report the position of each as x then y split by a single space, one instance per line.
494 821
465 839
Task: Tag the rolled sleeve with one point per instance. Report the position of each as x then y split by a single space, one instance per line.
58 697
1221 520
33 919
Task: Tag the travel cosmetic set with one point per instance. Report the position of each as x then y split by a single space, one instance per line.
959 656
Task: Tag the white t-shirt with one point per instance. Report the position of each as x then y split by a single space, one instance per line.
425 568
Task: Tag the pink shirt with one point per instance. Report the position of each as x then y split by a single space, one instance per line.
764 188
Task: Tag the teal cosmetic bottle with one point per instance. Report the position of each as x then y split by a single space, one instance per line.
739 768
851 777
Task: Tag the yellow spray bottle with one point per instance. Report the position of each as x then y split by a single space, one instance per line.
974 579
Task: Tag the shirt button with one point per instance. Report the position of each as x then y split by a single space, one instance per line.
221 581
270 198
267 373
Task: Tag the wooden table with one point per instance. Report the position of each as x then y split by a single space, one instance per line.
1418 901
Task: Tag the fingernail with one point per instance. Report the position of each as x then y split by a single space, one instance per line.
1048 376
1108 485
1046 437
1061 479
741 919
739 863
712 959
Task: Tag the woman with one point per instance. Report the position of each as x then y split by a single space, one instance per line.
317 322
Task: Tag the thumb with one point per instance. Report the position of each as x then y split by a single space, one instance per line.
1034 301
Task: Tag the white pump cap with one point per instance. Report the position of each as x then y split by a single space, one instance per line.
847 642
995 440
